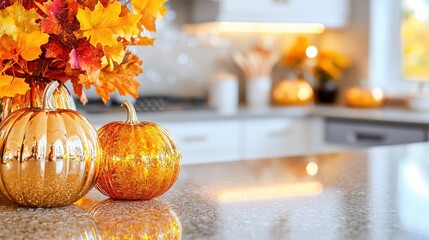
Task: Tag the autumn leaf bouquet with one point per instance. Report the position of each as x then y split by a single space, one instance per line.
82 41
329 65
295 57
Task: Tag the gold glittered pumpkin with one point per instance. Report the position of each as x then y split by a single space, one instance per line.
152 219
362 97
142 160
49 157
292 92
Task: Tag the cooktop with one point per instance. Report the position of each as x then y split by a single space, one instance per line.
148 104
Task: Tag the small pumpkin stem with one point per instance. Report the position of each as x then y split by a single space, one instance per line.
47 95
131 112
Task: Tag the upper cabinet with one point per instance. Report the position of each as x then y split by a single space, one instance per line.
330 13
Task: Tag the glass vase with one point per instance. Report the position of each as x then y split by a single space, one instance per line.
61 98
326 90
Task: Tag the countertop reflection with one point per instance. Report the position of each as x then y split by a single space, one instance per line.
380 193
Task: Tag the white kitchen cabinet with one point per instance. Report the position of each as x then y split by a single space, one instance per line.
331 13
207 141
274 137
317 138
240 139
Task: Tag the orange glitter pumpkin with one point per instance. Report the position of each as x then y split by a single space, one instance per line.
142 160
137 220
292 92
362 97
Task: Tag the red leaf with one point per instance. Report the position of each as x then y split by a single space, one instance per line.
85 56
60 17
57 49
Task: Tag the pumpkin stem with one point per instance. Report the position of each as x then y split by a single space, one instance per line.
131 112
47 95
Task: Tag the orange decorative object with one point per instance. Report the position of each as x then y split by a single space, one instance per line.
292 92
142 159
61 97
136 220
49 157
362 97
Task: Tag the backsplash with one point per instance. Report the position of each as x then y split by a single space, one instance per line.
180 64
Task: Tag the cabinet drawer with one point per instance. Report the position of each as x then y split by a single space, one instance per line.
354 133
274 137
206 141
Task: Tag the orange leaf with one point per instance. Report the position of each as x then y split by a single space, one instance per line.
7 47
145 41
10 86
123 78
29 44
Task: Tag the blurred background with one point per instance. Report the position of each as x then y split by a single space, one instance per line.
237 80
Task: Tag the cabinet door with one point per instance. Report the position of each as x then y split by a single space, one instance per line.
358 133
274 137
209 141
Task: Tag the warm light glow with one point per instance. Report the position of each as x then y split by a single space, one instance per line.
311 51
247 27
271 192
304 93
378 94
312 168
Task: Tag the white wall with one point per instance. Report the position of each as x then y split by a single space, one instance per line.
179 64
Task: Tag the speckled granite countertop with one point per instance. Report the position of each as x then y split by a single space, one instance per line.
381 193
387 114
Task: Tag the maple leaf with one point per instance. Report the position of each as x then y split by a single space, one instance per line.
113 55
91 3
122 78
60 16
16 19
150 10
103 25
29 44
56 49
25 35
145 41
7 47
85 56
11 86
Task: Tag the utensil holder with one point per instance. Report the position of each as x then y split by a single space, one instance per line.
258 92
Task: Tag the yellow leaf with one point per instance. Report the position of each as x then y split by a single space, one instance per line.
150 10
29 44
10 86
16 20
103 25
113 55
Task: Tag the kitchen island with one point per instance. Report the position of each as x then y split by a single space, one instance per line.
378 193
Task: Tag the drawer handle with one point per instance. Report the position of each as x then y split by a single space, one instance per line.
279 133
193 139
366 137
